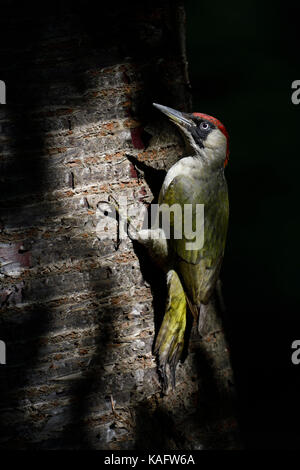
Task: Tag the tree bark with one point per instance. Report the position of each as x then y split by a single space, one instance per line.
78 315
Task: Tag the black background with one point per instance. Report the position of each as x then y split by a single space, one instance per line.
243 58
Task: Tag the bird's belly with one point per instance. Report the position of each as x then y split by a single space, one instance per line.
199 280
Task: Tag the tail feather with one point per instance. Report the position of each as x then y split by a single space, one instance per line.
170 340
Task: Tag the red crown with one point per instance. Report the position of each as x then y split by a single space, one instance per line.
220 126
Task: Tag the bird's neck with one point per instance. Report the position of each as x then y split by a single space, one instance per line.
210 159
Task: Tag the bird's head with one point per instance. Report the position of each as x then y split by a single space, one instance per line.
205 134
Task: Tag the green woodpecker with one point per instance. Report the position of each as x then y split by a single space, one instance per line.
191 274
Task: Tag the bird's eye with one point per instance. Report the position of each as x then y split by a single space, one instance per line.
204 126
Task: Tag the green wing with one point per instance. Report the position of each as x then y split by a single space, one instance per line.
199 268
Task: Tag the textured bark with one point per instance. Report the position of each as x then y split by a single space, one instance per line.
78 316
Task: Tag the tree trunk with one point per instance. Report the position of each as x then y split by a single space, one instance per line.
79 313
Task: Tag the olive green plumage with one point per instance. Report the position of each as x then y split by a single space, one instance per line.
170 340
191 273
199 269
194 272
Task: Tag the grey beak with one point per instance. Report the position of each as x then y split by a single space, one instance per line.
175 116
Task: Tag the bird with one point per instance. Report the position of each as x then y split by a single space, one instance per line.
191 274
